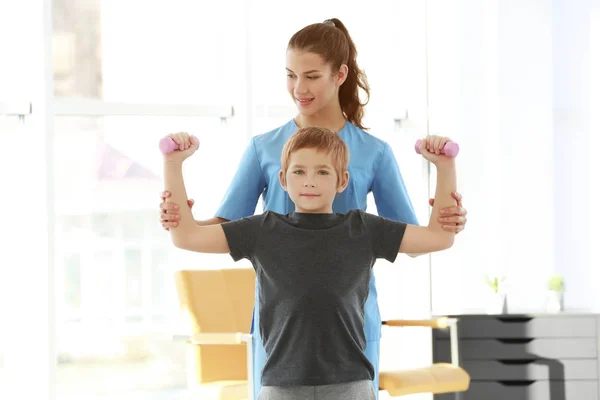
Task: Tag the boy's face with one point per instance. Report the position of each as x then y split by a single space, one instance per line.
311 181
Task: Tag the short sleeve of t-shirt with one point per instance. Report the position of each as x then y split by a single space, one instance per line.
241 236
386 235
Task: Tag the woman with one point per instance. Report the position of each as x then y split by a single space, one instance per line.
324 81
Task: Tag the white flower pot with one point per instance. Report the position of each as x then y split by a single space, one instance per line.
497 304
554 302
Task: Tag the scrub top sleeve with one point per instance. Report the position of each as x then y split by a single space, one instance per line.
245 189
389 190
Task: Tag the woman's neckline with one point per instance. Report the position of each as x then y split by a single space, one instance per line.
336 131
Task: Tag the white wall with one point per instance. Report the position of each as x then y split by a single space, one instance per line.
594 145
526 148
573 137
512 82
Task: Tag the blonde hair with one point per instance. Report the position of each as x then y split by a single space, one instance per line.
319 139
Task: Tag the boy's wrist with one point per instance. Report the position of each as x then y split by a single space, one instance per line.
445 164
173 163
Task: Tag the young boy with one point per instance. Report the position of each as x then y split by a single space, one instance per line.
313 266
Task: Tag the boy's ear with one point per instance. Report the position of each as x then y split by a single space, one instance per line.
282 180
344 182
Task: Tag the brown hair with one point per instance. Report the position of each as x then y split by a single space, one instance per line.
320 139
331 41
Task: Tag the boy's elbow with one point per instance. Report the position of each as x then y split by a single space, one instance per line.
180 243
415 255
448 241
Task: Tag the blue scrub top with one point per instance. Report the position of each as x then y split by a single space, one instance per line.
372 168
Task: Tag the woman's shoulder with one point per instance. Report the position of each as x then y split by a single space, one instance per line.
268 145
362 137
364 145
281 133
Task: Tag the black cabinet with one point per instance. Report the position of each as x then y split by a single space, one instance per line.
526 356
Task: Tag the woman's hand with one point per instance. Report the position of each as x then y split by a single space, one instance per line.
169 212
453 218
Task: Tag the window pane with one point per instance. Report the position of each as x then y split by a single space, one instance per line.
134 225
103 225
77 48
15 34
162 282
133 282
114 264
140 51
72 291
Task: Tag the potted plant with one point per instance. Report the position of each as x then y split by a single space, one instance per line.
497 303
555 297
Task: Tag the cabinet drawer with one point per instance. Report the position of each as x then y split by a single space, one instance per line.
523 327
507 349
540 390
532 370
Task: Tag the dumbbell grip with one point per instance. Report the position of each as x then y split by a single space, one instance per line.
450 149
167 145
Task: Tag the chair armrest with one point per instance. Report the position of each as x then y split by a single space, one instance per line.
216 338
435 323
227 338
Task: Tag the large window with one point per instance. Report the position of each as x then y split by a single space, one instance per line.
143 52
114 264
125 74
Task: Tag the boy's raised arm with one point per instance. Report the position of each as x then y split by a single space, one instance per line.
431 238
187 235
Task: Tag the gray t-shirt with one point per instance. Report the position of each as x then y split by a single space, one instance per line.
313 273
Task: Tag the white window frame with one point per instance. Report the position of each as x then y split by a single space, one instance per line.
68 107
100 108
15 108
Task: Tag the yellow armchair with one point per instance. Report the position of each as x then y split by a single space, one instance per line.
438 378
217 308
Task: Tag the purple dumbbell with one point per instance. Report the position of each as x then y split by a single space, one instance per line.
167 145
450 149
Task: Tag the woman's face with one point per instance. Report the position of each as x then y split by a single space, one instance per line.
311 82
